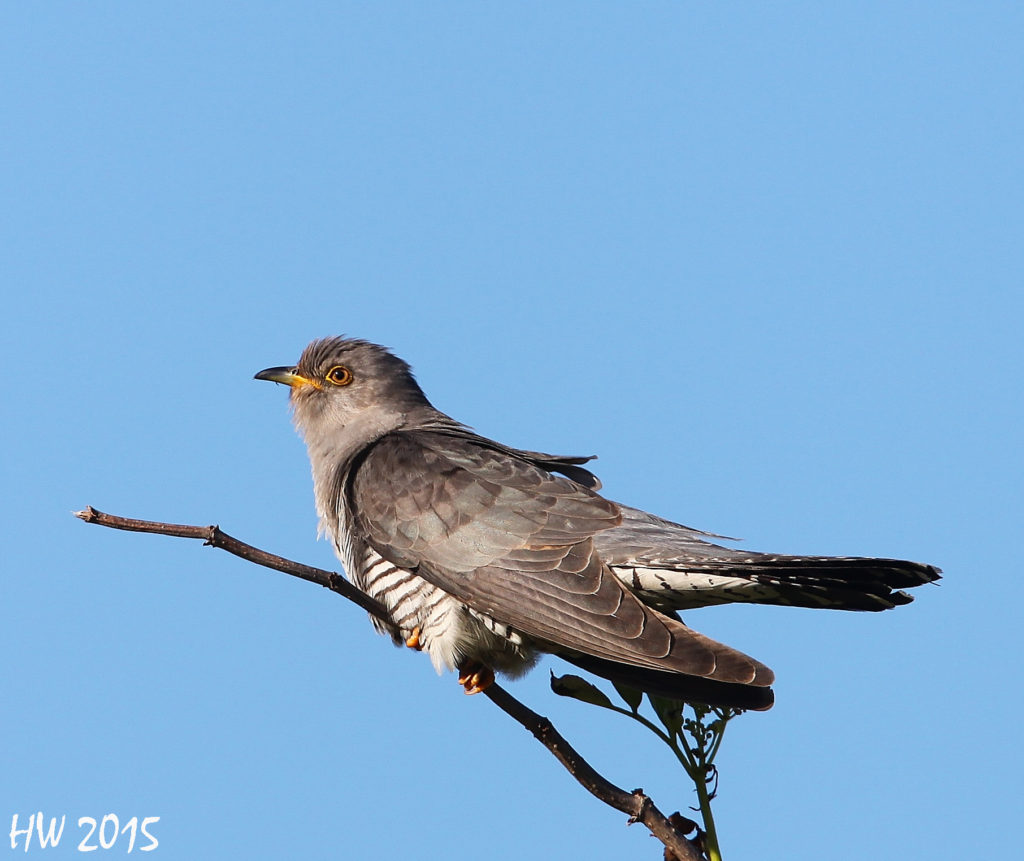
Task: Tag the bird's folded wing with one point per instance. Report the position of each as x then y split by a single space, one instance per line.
515 542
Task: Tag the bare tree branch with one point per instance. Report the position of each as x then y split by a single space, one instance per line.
636 804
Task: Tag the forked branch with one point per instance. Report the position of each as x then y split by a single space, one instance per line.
635 804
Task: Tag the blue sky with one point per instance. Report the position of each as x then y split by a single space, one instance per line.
764 260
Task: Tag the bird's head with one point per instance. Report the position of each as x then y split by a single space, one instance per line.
344 387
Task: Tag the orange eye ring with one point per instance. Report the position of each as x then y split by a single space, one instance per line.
339 375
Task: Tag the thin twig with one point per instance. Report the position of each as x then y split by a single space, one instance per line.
637 805
214 536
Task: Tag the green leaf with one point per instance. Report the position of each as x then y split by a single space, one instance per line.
669 712
631 696
579 689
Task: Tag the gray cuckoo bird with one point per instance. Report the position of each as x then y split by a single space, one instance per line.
486 555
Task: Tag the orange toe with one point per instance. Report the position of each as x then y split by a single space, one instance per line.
475 677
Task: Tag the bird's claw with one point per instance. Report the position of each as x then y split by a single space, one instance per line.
475 677
414 641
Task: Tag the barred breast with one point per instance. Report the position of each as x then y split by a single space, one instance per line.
448 630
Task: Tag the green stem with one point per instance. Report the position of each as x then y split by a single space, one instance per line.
689 764
696 768
710 833
724 718
640 719
696 760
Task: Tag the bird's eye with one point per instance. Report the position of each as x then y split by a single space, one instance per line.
339 375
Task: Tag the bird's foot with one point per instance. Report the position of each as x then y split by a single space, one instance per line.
475 677
414 641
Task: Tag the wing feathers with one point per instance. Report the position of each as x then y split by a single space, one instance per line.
515 542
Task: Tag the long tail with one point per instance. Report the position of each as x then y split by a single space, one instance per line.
675 567
837 583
